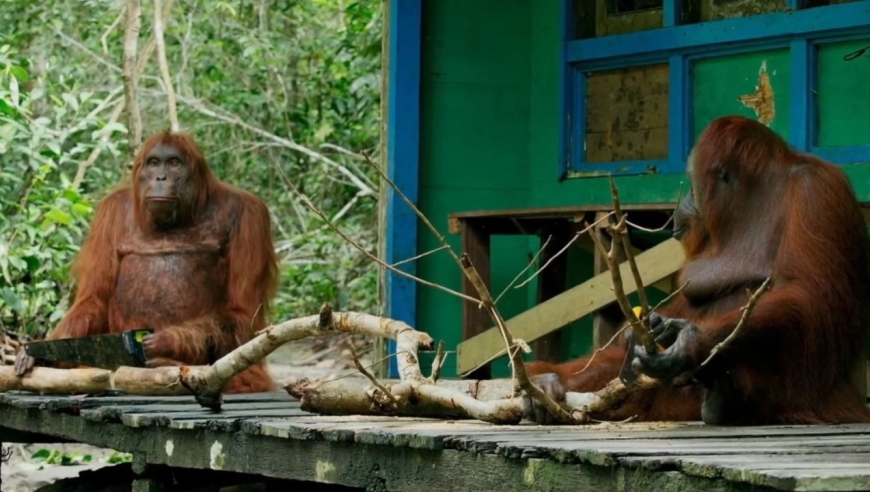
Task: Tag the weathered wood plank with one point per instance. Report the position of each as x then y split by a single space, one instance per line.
654 264
357 465
840 471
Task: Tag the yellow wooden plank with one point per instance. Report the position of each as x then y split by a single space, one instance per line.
654 264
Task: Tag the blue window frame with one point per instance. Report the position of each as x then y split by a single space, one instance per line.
799 29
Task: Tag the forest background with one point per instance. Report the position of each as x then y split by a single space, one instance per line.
274 91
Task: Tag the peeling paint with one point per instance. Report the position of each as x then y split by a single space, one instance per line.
170 446
324 470
217 458
761 101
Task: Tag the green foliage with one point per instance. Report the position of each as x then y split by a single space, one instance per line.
56 457
250 75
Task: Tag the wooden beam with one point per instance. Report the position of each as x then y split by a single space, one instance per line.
476 244
654 264
552 282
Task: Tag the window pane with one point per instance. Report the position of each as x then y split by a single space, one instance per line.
627 114
755 85
595 18
842 95
808 4
711 10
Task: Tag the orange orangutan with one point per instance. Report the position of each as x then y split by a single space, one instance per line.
180 252
757 209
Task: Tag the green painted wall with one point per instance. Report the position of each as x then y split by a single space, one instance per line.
719 82
837 80
474 145
490 140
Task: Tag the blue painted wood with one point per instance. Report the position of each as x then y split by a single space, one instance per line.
625 168
578 126
403 159
671 10
857 154
709 36
802 100
679 125
566 92
794 4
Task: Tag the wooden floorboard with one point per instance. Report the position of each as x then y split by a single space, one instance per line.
423 453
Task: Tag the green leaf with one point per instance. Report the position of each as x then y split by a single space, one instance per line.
58 216
41 454
81 209
70 100
20 73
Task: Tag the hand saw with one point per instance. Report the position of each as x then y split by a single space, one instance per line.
104 351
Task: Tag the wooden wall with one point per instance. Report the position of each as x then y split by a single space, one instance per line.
490 132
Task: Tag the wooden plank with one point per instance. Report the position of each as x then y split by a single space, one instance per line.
654 265
840 471
454 220
475 244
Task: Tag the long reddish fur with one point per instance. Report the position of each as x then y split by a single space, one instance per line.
796 217
252 265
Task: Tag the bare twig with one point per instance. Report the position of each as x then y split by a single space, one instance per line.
561 251
643 334
164 65
421 255
626 325
104 38
529 265
227 117
130 75
623 233
487 303
371 377
744 318
313 208
437 363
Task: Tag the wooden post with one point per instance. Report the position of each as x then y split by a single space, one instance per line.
551 282
476 244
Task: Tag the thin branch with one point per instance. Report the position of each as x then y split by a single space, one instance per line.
643 334
564 248
487 303
529 265
130 76
437 363
371 377
308 203
415 258
744 318
670 217
164 65
626 325
201 108
104 38
623 233
95 56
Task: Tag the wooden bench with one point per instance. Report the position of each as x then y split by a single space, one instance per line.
559 306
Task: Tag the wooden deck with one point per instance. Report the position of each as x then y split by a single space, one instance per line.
267 435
